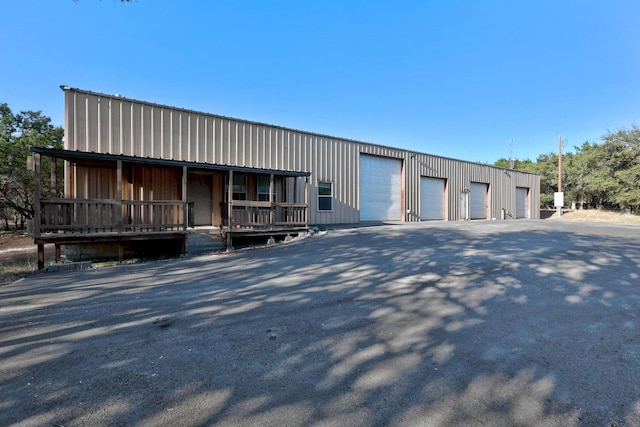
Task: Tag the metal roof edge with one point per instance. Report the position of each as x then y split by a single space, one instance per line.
76 154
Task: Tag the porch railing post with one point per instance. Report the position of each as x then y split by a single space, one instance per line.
119 196
184 198
271 201
306 201
230 199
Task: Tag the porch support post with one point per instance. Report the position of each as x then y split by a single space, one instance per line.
54 177
185 214
37 216
40 256
295 190
271 201
57 252
295 198
119 210
230 199
306 201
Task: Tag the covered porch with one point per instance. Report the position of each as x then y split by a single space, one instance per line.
119 199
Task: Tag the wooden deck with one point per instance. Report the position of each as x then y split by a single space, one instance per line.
79 221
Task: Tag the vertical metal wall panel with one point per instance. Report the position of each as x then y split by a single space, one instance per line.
205 141
258 145
175 135
125 128
184 136
92 124
136 130
223 140
276 149
208 141
157 139
285 150
229 141
236 129
145 131
193 137
217 138
70 116
114 127
103 123
165 137
80 124
251 148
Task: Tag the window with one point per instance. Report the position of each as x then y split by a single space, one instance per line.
239 187
325 196
263 188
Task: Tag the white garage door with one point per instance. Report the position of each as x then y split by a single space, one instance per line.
522 202
478 201
431 198
380 188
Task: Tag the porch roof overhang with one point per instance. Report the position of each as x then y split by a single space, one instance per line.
90 157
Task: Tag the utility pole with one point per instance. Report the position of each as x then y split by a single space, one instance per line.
512 159
560 163
559 195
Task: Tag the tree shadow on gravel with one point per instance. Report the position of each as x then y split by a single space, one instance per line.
426 324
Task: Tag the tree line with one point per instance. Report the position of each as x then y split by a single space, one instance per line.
601 175
17 133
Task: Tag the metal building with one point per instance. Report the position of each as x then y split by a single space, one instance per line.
349 181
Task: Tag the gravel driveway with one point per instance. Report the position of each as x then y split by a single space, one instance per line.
436 324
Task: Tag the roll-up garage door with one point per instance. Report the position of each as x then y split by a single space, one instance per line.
522 205
478 203
431 198
380 188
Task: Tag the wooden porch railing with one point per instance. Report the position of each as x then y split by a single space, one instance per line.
253 214
76 216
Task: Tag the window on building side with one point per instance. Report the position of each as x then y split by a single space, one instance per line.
263 188
325 196
239 187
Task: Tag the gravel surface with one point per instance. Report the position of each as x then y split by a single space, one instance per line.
488 323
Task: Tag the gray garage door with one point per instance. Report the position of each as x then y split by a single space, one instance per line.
380 188
478 202
522 202
431 198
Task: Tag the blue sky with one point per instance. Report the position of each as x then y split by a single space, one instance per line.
458 79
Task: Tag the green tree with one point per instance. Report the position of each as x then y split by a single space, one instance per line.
522 165
18 133
547 168
624 148
597 175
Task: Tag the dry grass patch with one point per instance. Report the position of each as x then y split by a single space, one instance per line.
595 215
19 256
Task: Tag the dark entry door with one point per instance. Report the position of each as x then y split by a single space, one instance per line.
201 195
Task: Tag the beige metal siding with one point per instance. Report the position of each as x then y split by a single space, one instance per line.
109 124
